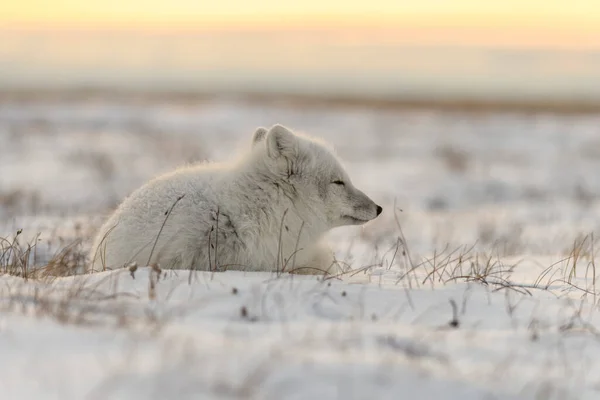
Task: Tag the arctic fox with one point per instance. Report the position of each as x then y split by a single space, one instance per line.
265 212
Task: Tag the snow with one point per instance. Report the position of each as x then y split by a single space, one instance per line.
299 337
507 199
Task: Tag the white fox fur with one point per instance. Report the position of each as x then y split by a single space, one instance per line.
266 212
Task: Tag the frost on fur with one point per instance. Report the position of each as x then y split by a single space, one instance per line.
266 212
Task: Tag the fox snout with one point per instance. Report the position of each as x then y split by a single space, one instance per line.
378 210
371 206
362 210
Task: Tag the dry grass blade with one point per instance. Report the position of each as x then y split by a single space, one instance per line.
167 214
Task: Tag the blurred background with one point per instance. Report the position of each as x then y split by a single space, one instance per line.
522 51
480 119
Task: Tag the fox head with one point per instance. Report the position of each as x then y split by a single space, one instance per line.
313 176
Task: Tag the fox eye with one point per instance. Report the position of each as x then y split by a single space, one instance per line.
338 182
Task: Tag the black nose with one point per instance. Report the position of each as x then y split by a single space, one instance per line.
379 210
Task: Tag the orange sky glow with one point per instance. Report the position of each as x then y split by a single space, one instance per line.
573 23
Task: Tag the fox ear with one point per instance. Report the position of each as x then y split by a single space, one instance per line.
259 135
281 142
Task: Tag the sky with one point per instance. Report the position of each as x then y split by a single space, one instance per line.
571 24
94 40
573 14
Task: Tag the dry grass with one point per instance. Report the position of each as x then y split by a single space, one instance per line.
36 291
75 300
58 291
575 273
20 259
462 263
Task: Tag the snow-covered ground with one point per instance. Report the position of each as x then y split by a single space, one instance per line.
482 283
